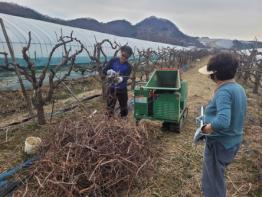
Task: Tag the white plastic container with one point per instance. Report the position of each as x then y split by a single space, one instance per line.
32 144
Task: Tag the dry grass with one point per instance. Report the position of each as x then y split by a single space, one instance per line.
12 102
11 152
91 156
179 167
14 108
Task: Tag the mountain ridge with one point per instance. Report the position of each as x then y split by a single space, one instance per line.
151 28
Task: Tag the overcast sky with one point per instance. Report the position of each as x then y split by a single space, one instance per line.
234 19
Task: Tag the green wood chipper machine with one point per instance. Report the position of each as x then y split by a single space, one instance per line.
163 98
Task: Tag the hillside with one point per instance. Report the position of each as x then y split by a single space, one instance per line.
151 28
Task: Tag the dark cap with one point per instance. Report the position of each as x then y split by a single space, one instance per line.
127 50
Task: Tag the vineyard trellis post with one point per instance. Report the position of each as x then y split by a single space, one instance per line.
23 89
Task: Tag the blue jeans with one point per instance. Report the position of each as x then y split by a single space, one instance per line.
216 158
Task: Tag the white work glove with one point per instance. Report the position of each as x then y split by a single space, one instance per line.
111 72
120 79
199 136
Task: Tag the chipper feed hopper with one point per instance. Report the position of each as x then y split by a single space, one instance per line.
163 98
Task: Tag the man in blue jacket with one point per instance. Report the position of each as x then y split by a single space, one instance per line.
118 91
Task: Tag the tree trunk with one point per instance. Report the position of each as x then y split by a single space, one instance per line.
133 78
28 101
40 114
257 79
39 106
246 77
147 76
104 89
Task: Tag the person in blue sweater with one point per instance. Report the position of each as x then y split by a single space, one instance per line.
224 122
118 91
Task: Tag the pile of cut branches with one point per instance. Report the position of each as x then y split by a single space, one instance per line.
91 157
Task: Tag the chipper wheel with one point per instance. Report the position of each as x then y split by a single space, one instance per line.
165 126
177 127
137 122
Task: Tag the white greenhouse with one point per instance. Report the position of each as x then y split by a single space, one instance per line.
45 35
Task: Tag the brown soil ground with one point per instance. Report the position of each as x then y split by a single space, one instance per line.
179 167
179 170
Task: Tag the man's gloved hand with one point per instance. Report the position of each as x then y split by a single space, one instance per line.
120 79
110 72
